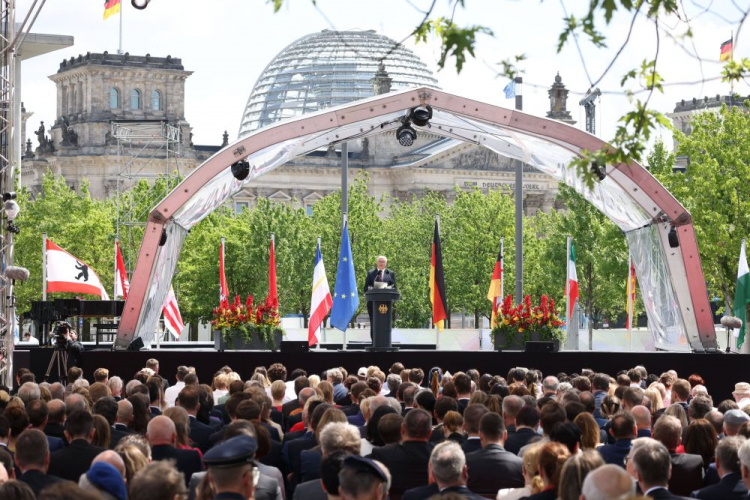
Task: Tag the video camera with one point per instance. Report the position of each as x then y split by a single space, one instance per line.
62 335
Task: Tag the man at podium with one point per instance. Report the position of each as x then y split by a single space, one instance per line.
381 274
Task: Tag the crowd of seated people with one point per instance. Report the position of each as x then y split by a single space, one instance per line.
391 432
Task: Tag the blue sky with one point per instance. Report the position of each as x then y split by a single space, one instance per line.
227 43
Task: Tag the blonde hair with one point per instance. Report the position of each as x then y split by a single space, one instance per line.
325 389
589 430
453 421
221 381
330 416
133 458
179 416
530 463
262 379
278 389
655 402
314 380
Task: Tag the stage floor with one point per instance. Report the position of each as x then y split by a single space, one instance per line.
721 371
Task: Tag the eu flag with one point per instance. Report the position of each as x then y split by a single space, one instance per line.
510 89
345 298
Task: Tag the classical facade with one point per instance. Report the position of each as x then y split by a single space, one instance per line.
121 118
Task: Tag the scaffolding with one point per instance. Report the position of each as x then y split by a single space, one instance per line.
146 151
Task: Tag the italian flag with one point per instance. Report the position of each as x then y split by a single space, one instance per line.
742 295
572 283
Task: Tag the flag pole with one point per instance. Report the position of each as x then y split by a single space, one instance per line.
437 336
567 285
323 323
345 218
731 82
502 273
119 50
630 300
44 267
223 241
114 290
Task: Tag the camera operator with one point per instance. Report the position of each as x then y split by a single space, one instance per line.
67 340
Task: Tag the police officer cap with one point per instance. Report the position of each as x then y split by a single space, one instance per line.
362 464
232 452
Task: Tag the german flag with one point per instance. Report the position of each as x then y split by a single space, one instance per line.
111 7
495 292
437 282
726 50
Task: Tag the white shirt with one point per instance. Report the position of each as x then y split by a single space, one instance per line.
219 393
30 341
290 395
172 392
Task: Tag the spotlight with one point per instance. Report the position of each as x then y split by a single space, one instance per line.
421 115
240 170
140 4
406 134
9 196
600 172
674 241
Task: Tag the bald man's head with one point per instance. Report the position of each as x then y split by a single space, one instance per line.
642 417
161 430
304 395
607 481
124 411
112 458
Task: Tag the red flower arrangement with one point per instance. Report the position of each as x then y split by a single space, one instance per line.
514 319
262 320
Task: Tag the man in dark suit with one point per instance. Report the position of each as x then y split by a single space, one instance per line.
55 419
38 413
378 275
687 469
408 460
293 449
299 383
493 468
730 471
107 407
124 417
32 459
651 464
72 461
624 431
472 416
318 489
527 423
200 433
463 387
162 436
448 469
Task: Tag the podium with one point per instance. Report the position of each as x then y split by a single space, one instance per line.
382 318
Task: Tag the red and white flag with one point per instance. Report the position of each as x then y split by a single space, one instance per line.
122 285
572 284
172 317
65 273
321 302
223 287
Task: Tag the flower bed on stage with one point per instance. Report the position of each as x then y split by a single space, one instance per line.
516 324
244 327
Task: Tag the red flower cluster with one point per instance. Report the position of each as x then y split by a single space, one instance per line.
231 316
524 316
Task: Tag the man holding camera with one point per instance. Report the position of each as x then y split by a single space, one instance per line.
67 340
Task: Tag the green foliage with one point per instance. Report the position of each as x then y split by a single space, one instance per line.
455 41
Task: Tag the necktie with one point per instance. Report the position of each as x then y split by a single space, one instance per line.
382 275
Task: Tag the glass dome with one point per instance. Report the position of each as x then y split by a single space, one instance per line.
326 69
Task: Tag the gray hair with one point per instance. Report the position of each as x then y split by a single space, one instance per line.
75 402
130 386
551 383
447 462
29 392
727 453
512 405
393 403
608 482
335 375
115 384
57 390
744 454
393 381
652 462
382 257
81 382
340 436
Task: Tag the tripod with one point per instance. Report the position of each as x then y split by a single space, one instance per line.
60 362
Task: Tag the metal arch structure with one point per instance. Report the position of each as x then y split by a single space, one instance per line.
669 269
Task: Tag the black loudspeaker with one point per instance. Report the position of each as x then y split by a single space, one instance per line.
295 346
537 347
136 344
674 240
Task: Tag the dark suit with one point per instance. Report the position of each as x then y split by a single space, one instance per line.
292 455
187 461
463 491
615 453
155 411
73 460
386 276
310 490
273 431
408 463
37 480
115 435
266 489
730 486
275 457
54 430
421 493
687 473
519 439
462 404
291 421
664 494
310 464
55 443
493 468
542 495
471 445
200 434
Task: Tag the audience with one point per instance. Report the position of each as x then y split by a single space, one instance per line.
405 435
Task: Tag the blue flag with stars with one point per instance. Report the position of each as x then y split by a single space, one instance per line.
345 297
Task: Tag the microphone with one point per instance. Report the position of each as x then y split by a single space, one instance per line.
16 273
731 322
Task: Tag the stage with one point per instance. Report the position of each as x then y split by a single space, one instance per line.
721 371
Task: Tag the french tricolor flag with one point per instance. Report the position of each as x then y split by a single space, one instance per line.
321 302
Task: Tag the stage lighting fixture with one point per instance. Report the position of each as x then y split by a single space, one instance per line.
240 170
406 134
674 241
421 115
140 4
599 172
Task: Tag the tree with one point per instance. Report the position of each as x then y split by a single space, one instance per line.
715 188
79 224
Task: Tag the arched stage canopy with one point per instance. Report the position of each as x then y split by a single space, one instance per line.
671 279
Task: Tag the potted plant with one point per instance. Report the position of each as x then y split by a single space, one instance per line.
516 324
244 327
